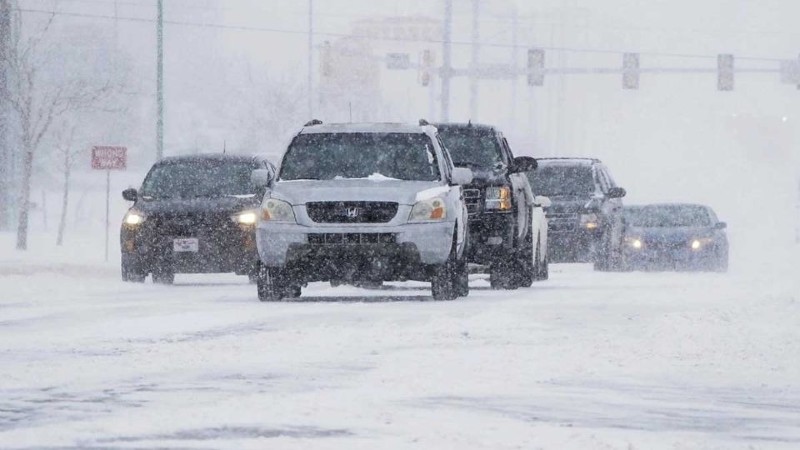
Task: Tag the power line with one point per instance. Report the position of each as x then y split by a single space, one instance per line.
389 39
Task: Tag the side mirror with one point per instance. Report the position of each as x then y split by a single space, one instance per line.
616 192
461 176
261 178
522 164
130 194
721 225
541 201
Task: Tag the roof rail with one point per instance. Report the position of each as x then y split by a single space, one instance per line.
423 123
313 122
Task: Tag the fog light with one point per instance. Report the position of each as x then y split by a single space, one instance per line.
494 240
696 245
637 244
591 226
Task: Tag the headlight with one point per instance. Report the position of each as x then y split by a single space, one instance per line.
498 198
133 218
698 244
634 243
245 218
590 221
277 211
427 210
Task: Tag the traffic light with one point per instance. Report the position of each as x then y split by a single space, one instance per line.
725 68
535 67
630 71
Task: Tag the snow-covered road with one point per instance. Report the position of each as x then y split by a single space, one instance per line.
585 360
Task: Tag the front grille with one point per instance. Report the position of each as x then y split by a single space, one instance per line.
562 222
473 197
351 212
351 238
190 225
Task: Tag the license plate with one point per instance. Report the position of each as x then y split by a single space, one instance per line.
185 245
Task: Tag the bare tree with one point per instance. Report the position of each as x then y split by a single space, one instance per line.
39 96
67 153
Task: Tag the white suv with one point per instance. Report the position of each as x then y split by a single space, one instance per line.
364 203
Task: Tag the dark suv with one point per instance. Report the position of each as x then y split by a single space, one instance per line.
503 217
194 214
585 218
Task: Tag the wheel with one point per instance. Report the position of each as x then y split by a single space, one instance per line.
503 275
294 291
131 275
443 284
163 276
608 257
721 265
271 284
541 270
461 278
528 262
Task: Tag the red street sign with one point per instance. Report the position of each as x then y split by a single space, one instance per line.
109 158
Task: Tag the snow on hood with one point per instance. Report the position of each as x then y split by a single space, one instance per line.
299 192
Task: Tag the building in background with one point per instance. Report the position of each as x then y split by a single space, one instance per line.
383 71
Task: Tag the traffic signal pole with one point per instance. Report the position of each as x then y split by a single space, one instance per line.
160 82
446 60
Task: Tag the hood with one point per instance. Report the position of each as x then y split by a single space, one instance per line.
399 191
669 234
571 204
482 177
215 205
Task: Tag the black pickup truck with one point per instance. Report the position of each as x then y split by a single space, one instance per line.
508 230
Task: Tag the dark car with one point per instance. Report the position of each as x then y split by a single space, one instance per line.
585 218
675 237
194 214
508 229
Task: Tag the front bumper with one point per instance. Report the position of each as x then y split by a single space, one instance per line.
491 237
221 252
577 245
282 244
680 258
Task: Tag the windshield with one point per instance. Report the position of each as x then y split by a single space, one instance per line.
377 156
197 179
668 216
554 180
470 147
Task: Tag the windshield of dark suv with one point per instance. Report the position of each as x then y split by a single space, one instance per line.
471 147
198 179
668 216
560 179
329 156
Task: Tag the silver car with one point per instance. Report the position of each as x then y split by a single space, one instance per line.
364 203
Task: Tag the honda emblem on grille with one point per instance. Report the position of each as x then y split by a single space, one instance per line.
352 212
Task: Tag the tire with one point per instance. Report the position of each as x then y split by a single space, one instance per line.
461 278
443 284
528 262
541 270
609 257
271 285
131 275
503 276
164 276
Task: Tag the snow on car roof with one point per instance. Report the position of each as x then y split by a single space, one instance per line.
364 128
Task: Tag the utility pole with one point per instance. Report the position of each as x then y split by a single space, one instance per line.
310 59
514 65
5 149
446 59
160 82
473 76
